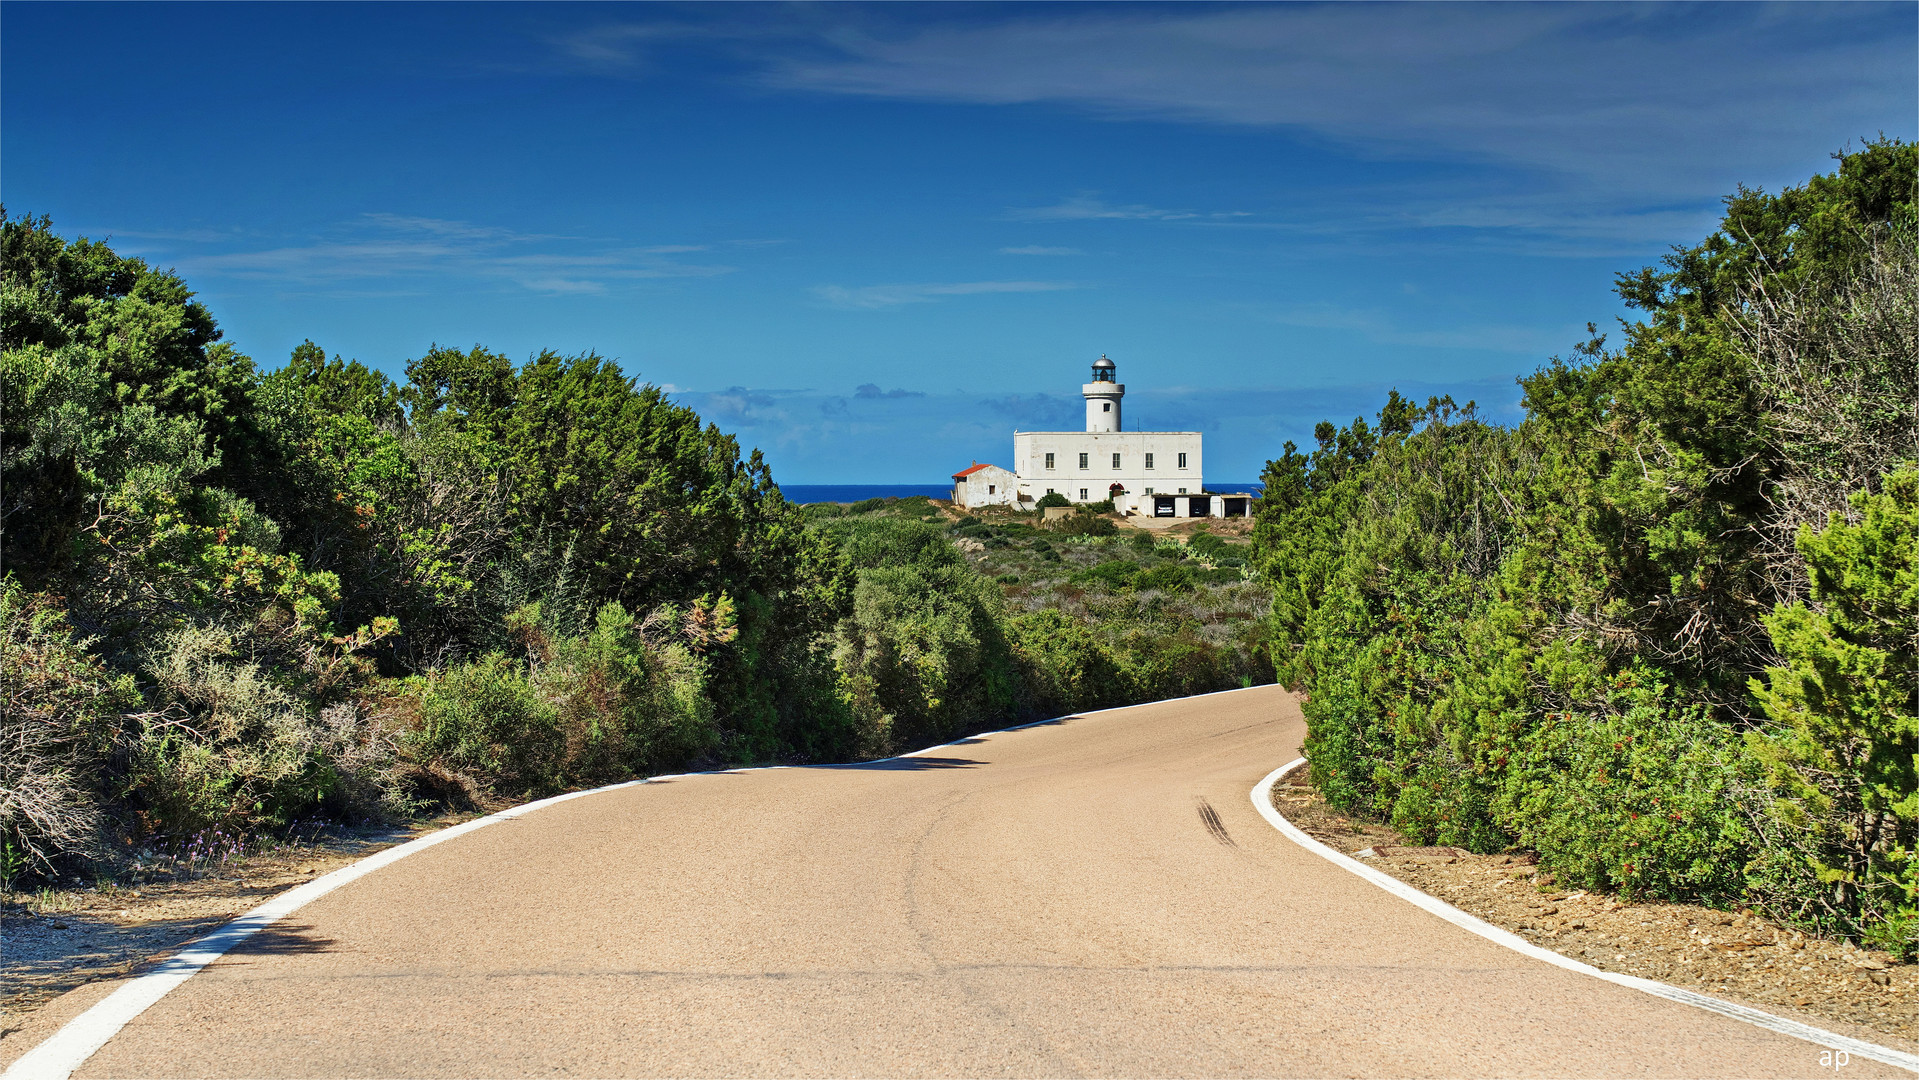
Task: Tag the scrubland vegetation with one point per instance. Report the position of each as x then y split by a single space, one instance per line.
236 600
1664 632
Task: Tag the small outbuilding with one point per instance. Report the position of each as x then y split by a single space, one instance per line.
984 485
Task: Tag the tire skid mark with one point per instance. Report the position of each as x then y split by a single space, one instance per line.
1214 825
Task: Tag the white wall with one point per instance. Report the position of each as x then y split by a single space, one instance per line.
991 486
1066 477
1102 405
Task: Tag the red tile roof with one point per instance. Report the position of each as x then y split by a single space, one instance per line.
964 473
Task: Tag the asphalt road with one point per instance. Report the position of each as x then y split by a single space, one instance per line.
1091 897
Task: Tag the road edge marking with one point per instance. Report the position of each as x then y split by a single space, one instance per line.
1262 795
63 1052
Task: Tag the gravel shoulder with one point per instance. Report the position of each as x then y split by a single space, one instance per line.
56 940
1733 955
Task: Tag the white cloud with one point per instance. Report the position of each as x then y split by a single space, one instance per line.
1623 117
1085 207
387 246
1379 327
875 297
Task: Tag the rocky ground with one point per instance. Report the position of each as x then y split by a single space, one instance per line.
1734 955
55 939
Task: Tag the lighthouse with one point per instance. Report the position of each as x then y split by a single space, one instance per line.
1102 397
1149 473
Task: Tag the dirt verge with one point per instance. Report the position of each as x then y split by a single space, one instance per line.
1734 955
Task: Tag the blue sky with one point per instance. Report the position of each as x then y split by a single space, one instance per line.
873 240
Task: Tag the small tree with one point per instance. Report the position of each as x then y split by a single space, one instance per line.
1843 753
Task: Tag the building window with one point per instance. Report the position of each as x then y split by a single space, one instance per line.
1106 406
1149 491
1182 491
1149 461
1049 461
1182 461
1115 461
1049 491
990 489
1082 461
1082 493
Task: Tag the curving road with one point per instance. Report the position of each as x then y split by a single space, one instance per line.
1095 896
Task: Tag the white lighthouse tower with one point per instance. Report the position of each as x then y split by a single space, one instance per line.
1149 473
1102 397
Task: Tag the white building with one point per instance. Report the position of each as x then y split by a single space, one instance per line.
984 485
1156 473
1159 473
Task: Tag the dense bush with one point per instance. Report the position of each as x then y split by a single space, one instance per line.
59 715
923 654
238 599
1843 749
1623 634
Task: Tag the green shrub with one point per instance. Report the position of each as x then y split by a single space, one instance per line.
483 718
1053 498
1158 667
1085 525
1170 577
229 747
1842 752
889 542
1113 573
1066 666
628 706
1643 798
1208 546
924 655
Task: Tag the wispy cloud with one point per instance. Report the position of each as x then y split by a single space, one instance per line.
621 48
1087 207
1621 116
1040 249
1380 327
388 246
1619 119
876 297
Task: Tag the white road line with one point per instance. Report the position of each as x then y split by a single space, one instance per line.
1263 802
69 1048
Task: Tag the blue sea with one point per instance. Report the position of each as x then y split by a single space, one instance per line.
849 493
